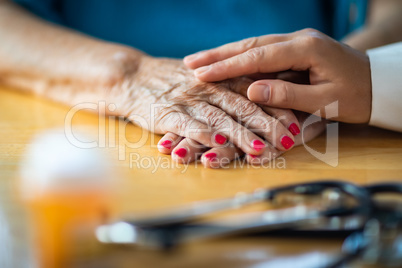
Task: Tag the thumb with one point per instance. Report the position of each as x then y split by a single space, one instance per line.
282 94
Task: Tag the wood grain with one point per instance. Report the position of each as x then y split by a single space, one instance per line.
366 155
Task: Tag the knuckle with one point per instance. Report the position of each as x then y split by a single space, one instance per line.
178 121
221 121
236 134
214 117
181 124
164 115
311 40
248 43
285 95
169 120
255 54
286 115
269 125
221 65
264 124
197 133
247 110
309 31
193 130
204 111
273 130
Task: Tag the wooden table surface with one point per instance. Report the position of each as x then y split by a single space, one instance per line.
366 155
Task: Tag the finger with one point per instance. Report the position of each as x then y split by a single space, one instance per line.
281 94
229 50
220 157
187 151
168 142
216 118
286 117
310 131
268 155
186 126
254 119
266 59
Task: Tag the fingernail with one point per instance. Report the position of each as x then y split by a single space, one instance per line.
259 93
294 129
181 152
220 139
202 70
258 145
210 156
287 142
167 144
253 156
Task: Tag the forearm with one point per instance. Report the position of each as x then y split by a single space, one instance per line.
383 26
40 57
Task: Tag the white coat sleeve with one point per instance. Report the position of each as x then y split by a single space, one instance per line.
386 78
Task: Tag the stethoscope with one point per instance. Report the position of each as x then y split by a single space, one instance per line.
324 206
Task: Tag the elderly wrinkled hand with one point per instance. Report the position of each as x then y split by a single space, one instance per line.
170 100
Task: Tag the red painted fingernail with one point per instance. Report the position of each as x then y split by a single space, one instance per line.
287 142
294 129
253 156
220 139
167 144
210 156
181 152
258 145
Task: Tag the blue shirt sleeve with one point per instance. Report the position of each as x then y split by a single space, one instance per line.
176 28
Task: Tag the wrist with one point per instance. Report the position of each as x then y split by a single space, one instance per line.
119 64
126 71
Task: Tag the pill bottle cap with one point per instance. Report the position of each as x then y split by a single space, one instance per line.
54 165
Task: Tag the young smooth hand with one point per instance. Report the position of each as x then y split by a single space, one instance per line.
336 72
